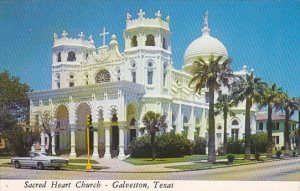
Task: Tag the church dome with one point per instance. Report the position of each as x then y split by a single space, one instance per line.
204 46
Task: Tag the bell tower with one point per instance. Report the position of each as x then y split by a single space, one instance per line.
148 51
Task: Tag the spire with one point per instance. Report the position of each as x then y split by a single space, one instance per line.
205 30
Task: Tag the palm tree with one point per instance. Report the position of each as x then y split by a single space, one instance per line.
210 74
271 99
153 121
289 105
249 88
224 103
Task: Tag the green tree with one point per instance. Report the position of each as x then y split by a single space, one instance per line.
153 122
288 105
210 74
13 99
14 107
271 100
249 88
224 103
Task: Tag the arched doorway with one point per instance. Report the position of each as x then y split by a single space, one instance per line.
131 119
62 135
114 134
82 111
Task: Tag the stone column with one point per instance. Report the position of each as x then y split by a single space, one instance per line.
170 127
179 125
107 154
73 142
191 130
43 142
53 143
95 133
122 126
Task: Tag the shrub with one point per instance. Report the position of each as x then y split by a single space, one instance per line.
141 147
235 146
230 157
278 153
257 155
200 144
220 150
259 142
166 145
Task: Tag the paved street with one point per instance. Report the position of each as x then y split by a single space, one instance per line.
283 170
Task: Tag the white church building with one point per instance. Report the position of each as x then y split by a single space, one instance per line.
118 88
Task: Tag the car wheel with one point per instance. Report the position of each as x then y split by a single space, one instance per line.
56 168
17 164
40 166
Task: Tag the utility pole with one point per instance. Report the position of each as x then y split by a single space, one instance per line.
88 125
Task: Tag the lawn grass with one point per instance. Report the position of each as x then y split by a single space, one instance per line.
149 161
82 161
204 165
6 157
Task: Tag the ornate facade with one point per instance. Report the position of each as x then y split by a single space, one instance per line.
117 89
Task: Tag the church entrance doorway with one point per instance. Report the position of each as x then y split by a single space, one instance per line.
115 137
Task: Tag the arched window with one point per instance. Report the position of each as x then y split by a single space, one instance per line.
150 40
165 74
134 41
58 57
235 122
134 76
71 56
165 43
150 73
102 76
150 76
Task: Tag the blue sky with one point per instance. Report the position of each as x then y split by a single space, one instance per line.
262 35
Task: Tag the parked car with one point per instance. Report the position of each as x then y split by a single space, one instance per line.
39 161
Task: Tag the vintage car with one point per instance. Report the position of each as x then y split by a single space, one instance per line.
39 161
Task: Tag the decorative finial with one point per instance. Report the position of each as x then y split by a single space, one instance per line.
81 35
141 15
64 34
158 14
205 30
103 34
168 19
55 36
128 16
91 39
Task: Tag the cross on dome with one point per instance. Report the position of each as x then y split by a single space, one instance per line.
103 34
81 35
158 14
141 14
205 30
